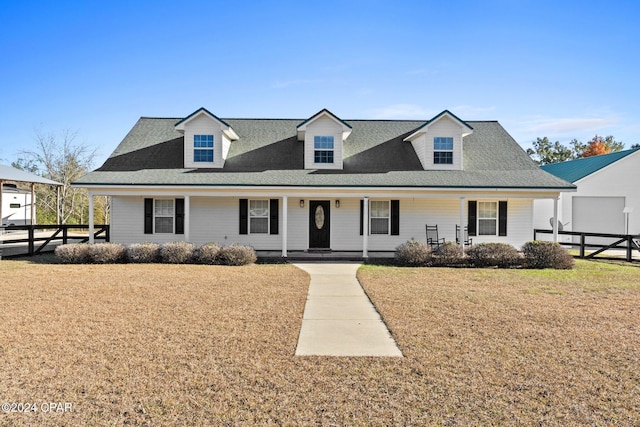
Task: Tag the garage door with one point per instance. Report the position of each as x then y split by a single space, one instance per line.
598 215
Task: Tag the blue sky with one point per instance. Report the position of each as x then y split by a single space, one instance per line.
561 69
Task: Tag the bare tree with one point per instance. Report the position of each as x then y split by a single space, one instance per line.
64 160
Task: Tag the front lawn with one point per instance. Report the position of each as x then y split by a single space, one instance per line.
210 345
548 347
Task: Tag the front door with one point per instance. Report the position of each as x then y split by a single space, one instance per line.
319 221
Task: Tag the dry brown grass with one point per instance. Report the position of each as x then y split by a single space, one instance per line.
210 345
529 347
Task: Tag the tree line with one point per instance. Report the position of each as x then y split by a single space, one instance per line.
545 152
63 159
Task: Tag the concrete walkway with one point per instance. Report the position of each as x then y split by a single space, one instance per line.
339 319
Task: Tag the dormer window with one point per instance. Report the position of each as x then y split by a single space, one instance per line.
203 148
442 150
207 140
323 135
323 149
438 142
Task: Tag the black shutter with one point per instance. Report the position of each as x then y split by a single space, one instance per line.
244 214
473 216
273 216
361 215
395 217
148 216
502 218
179 216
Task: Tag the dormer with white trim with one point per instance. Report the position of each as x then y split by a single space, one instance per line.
207 139
438 143
323 135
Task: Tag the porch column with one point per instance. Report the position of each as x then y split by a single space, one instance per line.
462 221
285 225
1 189
365 228
555 219
33 204
187 215
58 207
91 225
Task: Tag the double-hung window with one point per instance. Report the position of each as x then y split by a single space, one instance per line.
203 148
487 218
443 150
163 214
258 216
323 149
379 214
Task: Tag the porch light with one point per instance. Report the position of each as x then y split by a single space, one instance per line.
302 203
337 203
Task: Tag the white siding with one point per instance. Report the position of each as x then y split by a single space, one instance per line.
616 180
519 224
419 147
203 125
448 128
324 126
127 223
423 144
216 219
226 145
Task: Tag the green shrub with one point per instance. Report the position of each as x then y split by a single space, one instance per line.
237 255
448 255
107 253
540 254
143 253
413 254
500 255
73 253
208 253
177 252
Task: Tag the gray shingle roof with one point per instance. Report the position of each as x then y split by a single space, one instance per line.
269 154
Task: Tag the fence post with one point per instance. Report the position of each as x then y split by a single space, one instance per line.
629 243
64 234
31 237
581 245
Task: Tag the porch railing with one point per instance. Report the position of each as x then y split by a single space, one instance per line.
34 239
585 241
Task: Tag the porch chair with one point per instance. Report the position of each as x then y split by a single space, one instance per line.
467 241
432 237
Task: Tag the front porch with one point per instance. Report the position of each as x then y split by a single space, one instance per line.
320 224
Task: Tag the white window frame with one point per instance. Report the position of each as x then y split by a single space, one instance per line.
172 215
439 150
332 150
204 148
481 218
251 215
371 217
